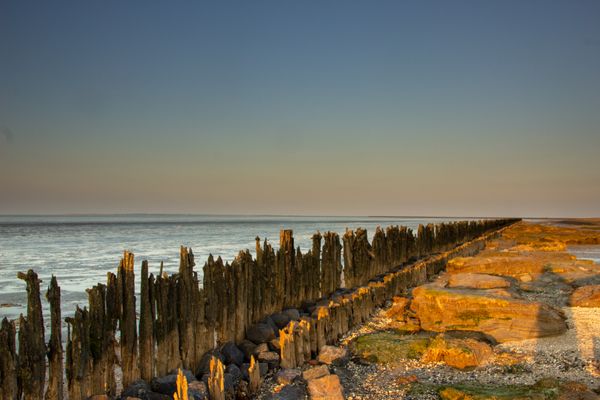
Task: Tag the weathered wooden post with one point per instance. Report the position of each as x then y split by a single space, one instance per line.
8 361
127 324
331 264
146 338
166 327
287 346
32 347
254 375
55 349
79 358
216 380
286 260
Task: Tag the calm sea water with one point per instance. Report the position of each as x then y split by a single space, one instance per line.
80 250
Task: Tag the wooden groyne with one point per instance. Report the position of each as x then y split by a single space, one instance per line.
184 322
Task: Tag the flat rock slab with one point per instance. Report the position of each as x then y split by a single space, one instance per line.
315 372
325 388
586 296
333 355
287 376
504 319
477 281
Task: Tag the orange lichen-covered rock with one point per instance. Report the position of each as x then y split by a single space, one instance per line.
586 296
442 309
477 281
327 387
457 353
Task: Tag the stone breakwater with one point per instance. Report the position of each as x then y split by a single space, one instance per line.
247 317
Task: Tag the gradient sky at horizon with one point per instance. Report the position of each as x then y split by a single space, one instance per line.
325 108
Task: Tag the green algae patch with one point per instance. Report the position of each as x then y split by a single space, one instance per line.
389 347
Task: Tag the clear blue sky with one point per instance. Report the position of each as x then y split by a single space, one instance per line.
405 108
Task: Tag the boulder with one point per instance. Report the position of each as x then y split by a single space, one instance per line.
325 388
287 376
477 281
397 311
137 389
289 392
261 348
269 357
293 314
247 347
333 355
204 367
315 372
260 333
235 372
197 390
281 320
457 353
168 384
504 319
586 296
232 354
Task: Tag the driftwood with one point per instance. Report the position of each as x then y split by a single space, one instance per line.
55 349
8 361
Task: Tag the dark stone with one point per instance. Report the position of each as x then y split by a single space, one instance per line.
260 333
204 378
274 345
281 320
164 384
245 373
293 314
137 389
189 375
232 354
229 385
247 347
235 373
197 390
269 357
263 367
289 392
204 367
269 321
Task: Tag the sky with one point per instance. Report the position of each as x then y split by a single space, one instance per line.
440 108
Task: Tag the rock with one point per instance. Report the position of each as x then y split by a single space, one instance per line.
137 389
235 373
99 397
229 385
260 333
325 388
315 372
397 311
293 314
287 376
333 355
586 296
269 321
204 367
457 353
289 392
269 357
189 375
245 374
477 281
164 384
198 390
261 348
275 345
504 319
247 347
232 354
263 368
281 320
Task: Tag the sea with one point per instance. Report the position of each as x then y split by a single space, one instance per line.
80 249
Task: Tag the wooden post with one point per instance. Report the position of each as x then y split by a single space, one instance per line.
216 380
254 374
55 349
8 361
79 357
146 360
127 324
32 347
331 267
287 346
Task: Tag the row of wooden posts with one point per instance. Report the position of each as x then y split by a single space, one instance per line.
181 319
